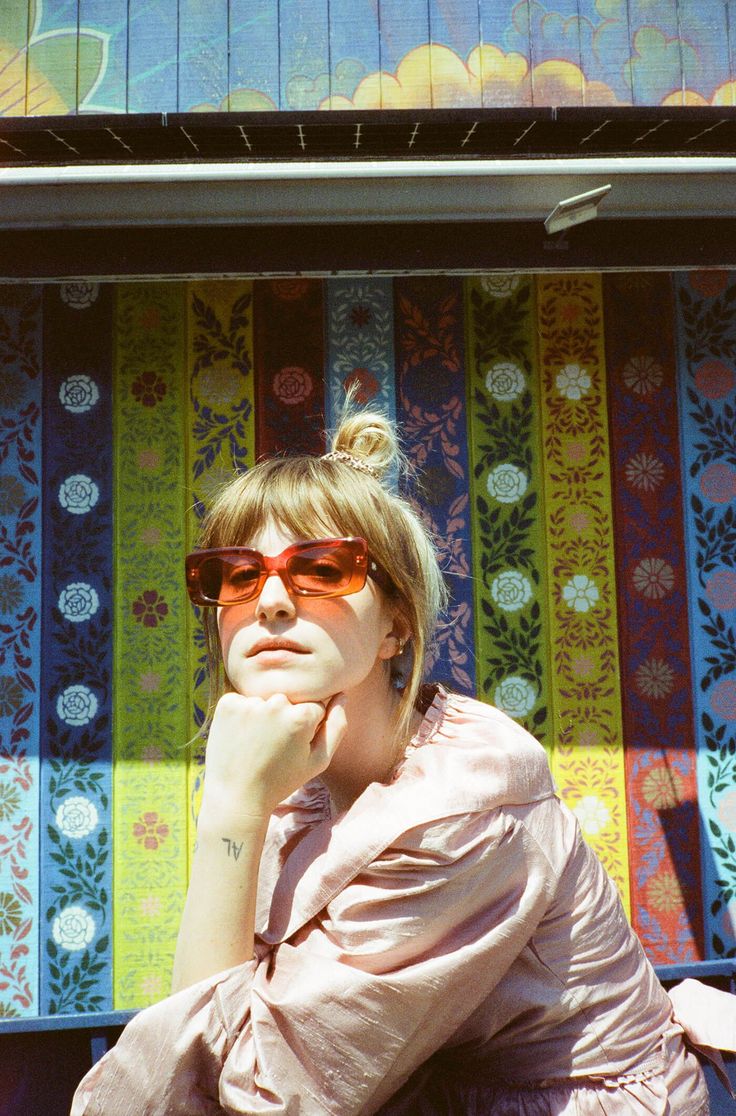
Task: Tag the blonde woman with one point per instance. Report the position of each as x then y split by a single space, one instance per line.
389 909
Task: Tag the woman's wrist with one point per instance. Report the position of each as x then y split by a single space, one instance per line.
219 818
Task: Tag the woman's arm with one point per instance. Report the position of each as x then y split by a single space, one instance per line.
258 753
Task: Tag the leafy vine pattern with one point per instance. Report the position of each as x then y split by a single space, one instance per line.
512 636
588 760
432 418
76 742
656 683
20 358
151 719
220 432
708 397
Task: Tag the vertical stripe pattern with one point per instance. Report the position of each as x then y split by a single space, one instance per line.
707 393
588 761
652 610
430 347
360 345
76 846
512 660
20 647
221 443
151 722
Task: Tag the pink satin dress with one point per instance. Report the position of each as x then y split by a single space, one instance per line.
449 946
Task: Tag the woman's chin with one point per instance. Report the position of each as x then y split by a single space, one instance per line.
296 693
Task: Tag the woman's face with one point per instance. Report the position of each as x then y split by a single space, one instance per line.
306 648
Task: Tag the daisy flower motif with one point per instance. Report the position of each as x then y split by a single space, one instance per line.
573 381
653 578
644 472
642 374
662 788
664 892
655 678
580 593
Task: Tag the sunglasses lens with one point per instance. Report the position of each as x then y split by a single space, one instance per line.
324 570
226 580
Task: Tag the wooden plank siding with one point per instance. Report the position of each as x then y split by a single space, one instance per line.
84 56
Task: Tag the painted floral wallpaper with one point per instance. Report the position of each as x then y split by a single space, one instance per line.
577 466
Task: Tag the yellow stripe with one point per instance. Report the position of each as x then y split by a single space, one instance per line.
588 757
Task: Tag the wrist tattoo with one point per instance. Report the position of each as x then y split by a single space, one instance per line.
234 848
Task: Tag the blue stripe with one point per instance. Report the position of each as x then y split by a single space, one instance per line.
360 345
76 748
707 403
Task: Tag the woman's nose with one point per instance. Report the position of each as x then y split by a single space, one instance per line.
274 598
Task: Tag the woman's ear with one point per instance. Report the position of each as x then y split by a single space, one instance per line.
397 636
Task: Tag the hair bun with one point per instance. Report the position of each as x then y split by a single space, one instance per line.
370 438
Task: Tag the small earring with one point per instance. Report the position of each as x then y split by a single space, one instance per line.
402 664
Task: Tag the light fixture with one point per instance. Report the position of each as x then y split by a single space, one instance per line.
575 210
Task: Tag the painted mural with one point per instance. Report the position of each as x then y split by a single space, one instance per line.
133 56
578 468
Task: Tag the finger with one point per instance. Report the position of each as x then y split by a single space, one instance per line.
331 731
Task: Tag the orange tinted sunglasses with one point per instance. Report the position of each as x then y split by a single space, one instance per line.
230 575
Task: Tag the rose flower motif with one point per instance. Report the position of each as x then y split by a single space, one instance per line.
78 494
76 705
78 602
505 381
79 296
500 284
292 385
73 928
515 696
507 483
77 817
511 590
78 394
11 593
366 385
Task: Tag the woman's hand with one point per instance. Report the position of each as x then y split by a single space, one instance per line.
260 751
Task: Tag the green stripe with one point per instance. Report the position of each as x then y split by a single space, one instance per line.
150 707
511 637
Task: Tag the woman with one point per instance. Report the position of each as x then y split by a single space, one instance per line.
389 909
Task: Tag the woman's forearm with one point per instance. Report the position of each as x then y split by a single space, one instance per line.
217 926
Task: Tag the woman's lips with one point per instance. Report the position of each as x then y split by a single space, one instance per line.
275 645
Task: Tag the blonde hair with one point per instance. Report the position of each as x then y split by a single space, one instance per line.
322 496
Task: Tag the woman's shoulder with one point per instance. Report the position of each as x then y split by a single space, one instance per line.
470 752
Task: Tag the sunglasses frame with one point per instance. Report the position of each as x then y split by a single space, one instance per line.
364 566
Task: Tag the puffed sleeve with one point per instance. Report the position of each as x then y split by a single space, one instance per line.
332 1021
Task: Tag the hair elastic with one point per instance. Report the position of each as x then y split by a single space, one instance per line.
353 462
